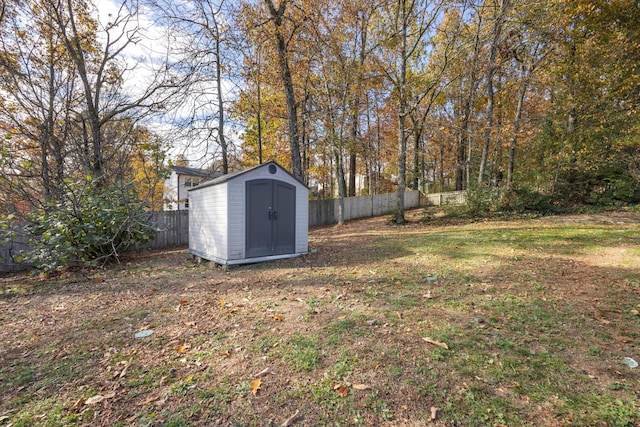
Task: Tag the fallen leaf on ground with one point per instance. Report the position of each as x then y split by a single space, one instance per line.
124 371
75 406
263 372
361 387
182 348
434 342
222 303
94 400
434 413
278 318
289 421
150 399
429 296
181 304
255 386
342 390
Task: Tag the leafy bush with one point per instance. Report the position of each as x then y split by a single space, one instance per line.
481 201
609 185
524 200
89 224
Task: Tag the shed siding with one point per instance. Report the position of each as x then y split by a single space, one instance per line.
208 221
236 215
302 220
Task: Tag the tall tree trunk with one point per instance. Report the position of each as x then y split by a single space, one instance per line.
342 187
259 119
441 165
497 32
464 147
402 165
352 175
221 138
402 116
462 158
287 81
93 92
353 137
516 128
415 179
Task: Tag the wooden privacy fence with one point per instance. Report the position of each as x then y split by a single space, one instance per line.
17 244
172 227
322 212
451 198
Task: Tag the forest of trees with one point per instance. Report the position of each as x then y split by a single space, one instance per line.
437 95
446 95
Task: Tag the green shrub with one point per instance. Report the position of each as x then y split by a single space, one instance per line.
609 185
481 201
524 200
88 225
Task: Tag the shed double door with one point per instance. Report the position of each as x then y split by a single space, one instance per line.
270 218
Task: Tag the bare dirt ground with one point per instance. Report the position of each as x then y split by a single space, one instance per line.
619 217
334 337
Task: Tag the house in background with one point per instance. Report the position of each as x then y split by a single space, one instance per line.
183 178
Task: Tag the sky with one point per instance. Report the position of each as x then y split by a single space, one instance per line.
152 48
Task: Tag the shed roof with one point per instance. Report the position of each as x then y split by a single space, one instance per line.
183 170
230 176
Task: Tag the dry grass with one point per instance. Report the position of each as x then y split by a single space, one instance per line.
537 317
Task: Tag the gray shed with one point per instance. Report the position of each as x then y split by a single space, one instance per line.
258 214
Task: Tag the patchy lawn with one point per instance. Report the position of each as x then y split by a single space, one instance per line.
495 323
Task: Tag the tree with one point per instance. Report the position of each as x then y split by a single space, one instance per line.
499 9
71 122
590 127
101 72
277 18
528 47
410 21
64 79
203 38
38 83
148 169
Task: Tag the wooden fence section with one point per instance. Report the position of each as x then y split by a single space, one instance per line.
17 244
172 229
451 198
322 212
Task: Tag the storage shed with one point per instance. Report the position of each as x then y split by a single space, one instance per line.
258 214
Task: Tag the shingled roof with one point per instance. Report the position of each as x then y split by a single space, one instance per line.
183 170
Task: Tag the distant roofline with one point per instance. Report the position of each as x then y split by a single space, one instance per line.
184 170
